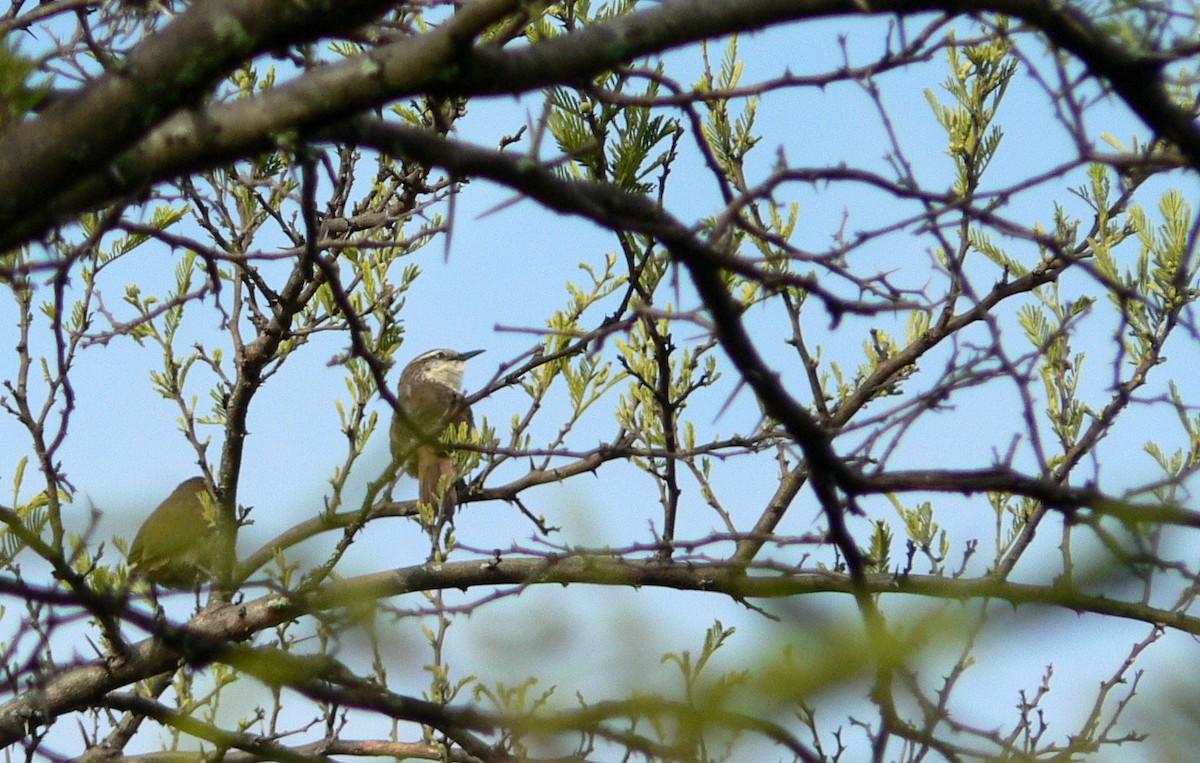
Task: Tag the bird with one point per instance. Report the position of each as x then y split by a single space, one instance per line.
176 545
430 402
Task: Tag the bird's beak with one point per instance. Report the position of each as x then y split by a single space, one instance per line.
468 354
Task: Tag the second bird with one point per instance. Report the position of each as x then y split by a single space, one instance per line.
431 401
176 546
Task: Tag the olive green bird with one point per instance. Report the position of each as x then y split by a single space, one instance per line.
176 546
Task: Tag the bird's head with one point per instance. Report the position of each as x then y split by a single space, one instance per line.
442 366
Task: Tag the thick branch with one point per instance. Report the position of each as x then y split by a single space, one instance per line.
439 62
204 636
168 70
